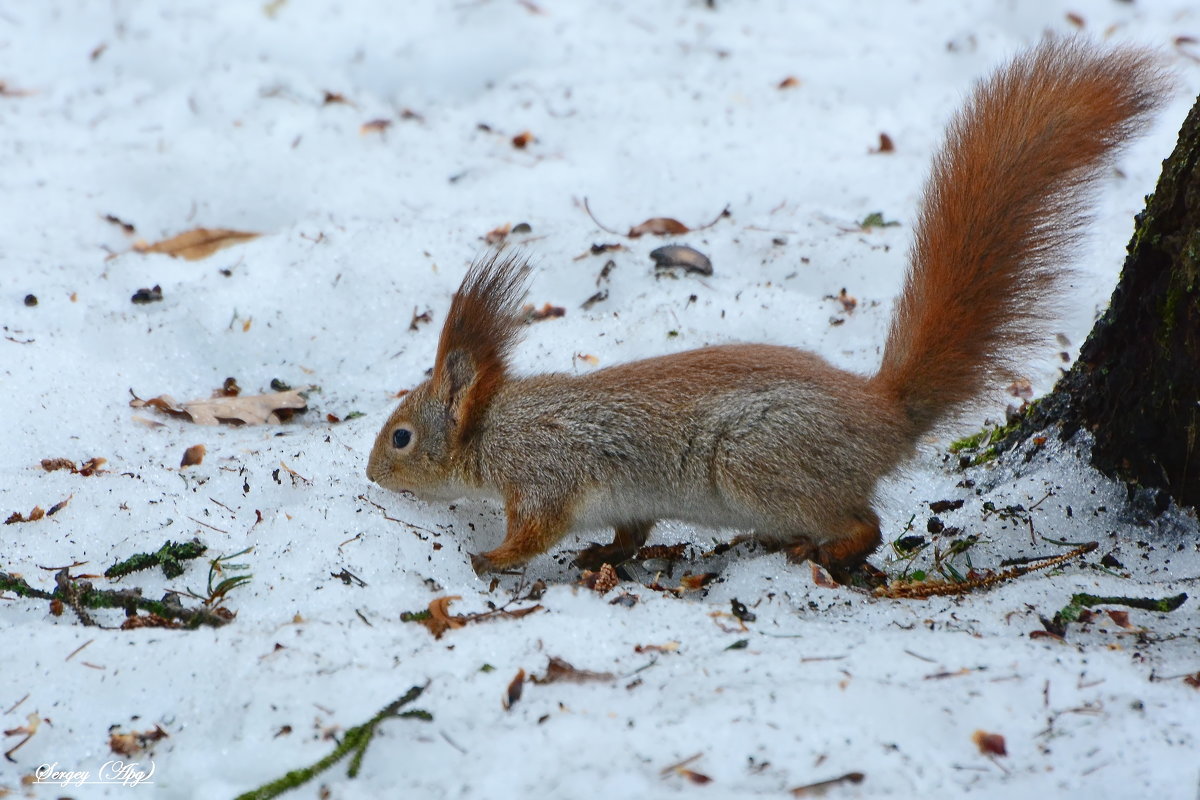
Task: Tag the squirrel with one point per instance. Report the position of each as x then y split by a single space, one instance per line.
767 437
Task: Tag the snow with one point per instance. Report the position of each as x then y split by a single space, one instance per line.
174 116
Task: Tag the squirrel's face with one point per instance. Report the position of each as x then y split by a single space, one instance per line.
412 451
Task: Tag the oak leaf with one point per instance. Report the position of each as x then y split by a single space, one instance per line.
259 409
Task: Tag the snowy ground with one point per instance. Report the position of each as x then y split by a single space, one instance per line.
173 116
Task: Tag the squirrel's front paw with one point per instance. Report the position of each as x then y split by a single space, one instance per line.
482 564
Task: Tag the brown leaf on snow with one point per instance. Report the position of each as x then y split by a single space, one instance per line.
1121 618
438 619
558 670
11 91
258 409
790 82
192 456
513 693
683 771
498 234
990 744
331 98
87 468
375 126
886 145
523 140
849 302
196 244
37 513
129 744
693 582
822 578
547 311
91 466
658 226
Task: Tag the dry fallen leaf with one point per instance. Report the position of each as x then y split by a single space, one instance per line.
192 456
498 234
515 687
37 513
658 226
547 311
1121 618
259 409
558 670
523 140
196 244
375 126
9 91
822 578
849 302
990 744
693 582
128 744
92 466
682 770
440 620
790 82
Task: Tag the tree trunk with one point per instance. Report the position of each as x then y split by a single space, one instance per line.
1136 384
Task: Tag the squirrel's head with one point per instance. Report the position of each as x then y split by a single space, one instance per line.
413 451
425 438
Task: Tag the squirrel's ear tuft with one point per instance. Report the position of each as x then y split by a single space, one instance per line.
481 329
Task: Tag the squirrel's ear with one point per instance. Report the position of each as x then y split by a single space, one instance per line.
481 328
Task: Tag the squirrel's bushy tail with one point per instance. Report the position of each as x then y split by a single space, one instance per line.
1005 203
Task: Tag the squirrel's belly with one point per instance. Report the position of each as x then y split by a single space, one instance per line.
609 507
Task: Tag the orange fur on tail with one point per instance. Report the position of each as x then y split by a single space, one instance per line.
1004 206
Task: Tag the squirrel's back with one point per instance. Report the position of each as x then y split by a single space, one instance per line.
1005 203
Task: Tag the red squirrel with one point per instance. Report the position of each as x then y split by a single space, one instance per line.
766 437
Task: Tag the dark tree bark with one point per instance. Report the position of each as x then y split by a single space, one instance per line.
1136 384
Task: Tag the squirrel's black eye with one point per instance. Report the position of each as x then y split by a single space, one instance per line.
401 437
